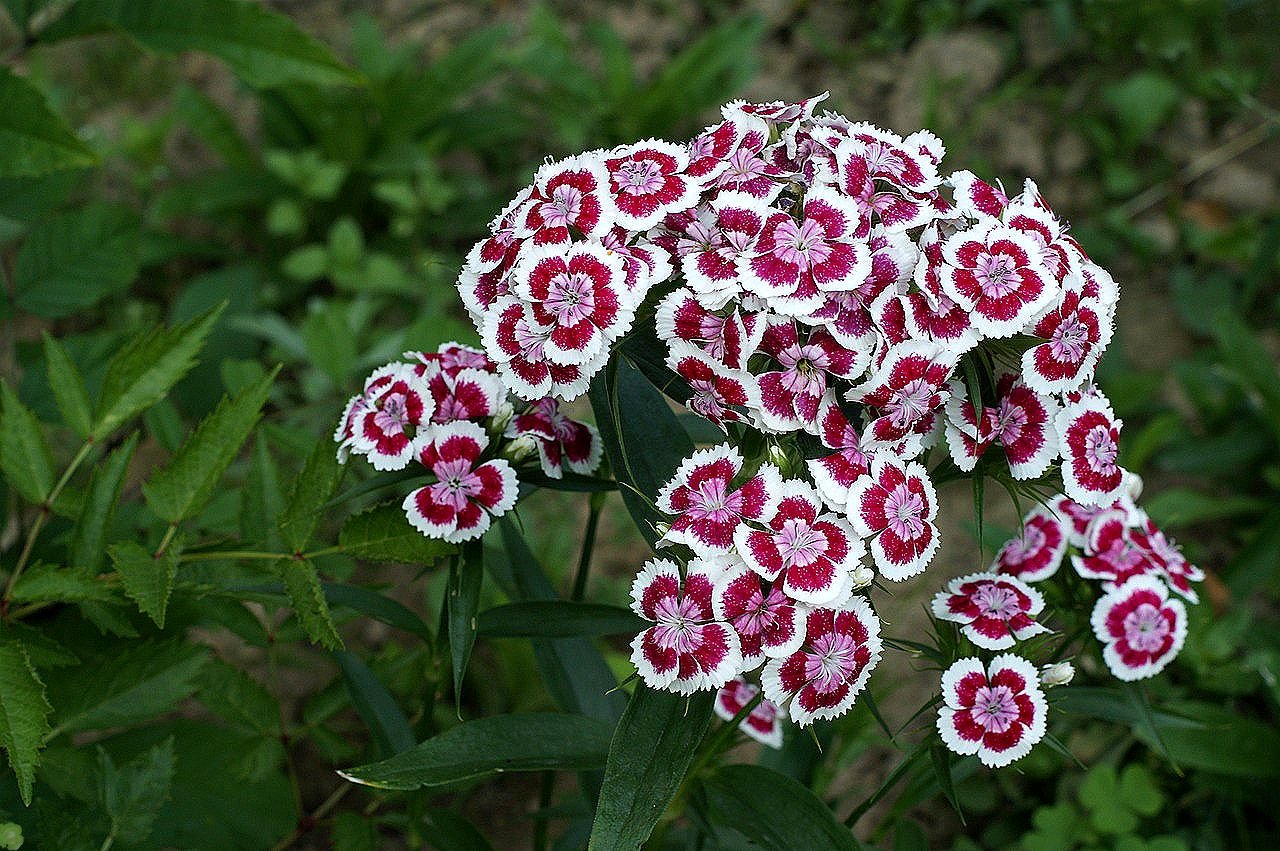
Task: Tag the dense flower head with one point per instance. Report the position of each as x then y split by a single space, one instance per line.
856 320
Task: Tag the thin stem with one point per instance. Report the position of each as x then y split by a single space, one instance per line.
544 801
588 547
45 509
108 842
318 813
224 555
166 540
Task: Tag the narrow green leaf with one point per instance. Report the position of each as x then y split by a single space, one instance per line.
143 370
25 459
522 742
643 439
213 125
558 619
383 533
86 549
377 606
941 759
74 260
773 810
238 698
45 583
1252 364
147 580
1255 563
33 139
261 500
119 688
651 750
302 584
132 794
68 387
264 48
375 705
317 481
24 714
466 576
187 482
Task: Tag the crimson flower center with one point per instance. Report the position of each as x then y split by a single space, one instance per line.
800 544
393 413
678 626
711 500
996 601
639 177
910 402
1069 340
1100 449
563 208
456 484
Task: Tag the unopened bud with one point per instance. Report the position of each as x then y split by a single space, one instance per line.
862 576
1133 485
520 448
1058 674
501 419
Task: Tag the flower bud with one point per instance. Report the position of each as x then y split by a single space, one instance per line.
862 576
501 419
1058 674
520 448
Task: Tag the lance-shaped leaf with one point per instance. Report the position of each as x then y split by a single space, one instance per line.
375 706
24 455
117 688
68 387
383 533
33 139
132 794
522 742
142 372
183 487
302 584
147 580
263 47
74 260
558 619
651 750
773 810
261 502
24 714
642 437
466 576
317 481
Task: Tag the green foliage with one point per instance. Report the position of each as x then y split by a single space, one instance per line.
132 794
75 260
33 139
147 578
772 809
383 534
24 454
24 714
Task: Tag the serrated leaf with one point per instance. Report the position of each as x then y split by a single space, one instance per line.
302 584
147 580
557 619
25 459
132 794
264 48
187 482
68 387
773 810
33 139
466 576
521 742
355 832
651 750
375 706
24 714
74 260
238 698
212 125
383 534
643 439
261 502
142 372
312 488
46 583
120 688
86 551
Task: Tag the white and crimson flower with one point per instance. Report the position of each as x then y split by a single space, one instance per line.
562 442
459 505
390 419
1112 553
518 344
810 551
996 272
795 262
994 611
847 313
763 723
705 506
859 168
687 649
730 339
569 196
1022 422
1075 334
836 473
768 622
896 504
1169 560
1089 436
717 392
464 393
996 713
648 181
1140 627
712 243
791 392
580 293
822 679
908 386
1035 553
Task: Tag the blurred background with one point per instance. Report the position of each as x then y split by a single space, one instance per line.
334 218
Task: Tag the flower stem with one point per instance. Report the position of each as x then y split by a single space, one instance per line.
588 547
45 509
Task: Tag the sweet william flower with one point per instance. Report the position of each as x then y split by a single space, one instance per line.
996 712
467 494
823 678
835 474
894 505
562 443
706 507
687 649
763 723
1022 422
570 197
996 272
391 419
581 295
1140 627
1037 551
994 611
1089 436
768 621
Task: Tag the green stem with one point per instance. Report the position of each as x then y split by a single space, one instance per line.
45 509
544 801
588 547
225 555
108 842
166 540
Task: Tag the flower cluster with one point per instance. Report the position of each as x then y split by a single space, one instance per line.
450 412
840 308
